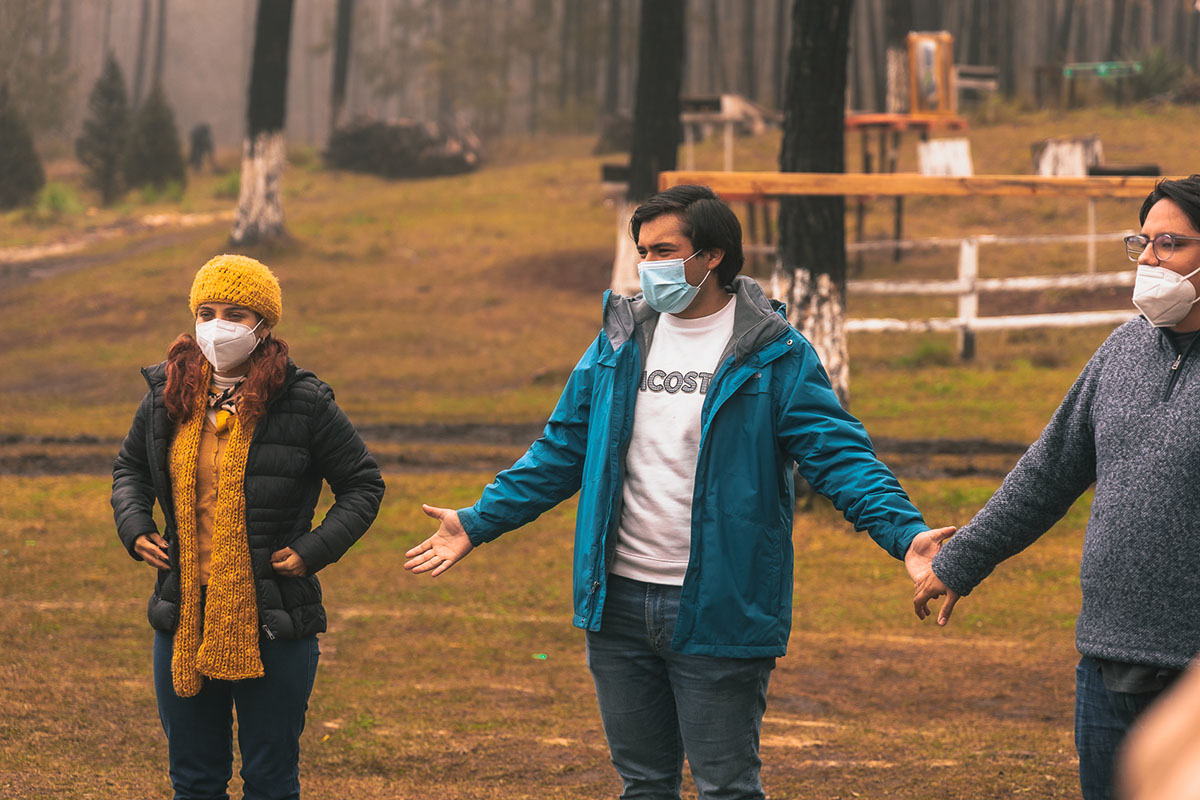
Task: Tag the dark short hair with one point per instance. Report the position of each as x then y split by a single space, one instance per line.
1185 192
707 222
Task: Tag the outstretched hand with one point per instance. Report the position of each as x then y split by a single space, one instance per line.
927 586
448 545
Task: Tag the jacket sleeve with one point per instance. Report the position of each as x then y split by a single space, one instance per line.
133 486
351 473
1039 490
551 469
834 454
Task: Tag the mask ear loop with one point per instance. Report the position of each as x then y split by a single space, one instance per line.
706 273
260 339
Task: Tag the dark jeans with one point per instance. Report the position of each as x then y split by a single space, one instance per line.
1102 718
657 704
270 714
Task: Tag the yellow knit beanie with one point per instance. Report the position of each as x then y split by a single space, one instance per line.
240 280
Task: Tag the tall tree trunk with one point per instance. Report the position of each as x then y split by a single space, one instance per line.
139 70
264 150
656 130
656 127
1193 55
779 62
749 75
160 42
716 61
612 71
975 52
342 42
897 22
64 26
565 52
1062 38
1116 31
447 93
107 28
585 64
506 34
810 271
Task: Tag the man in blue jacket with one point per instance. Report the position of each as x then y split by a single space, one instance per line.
679 428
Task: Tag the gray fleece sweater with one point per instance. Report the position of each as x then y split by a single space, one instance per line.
1131 425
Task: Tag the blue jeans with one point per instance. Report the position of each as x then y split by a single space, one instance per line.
1102 718
657 704
270 714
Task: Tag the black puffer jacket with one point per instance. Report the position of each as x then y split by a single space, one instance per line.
303 439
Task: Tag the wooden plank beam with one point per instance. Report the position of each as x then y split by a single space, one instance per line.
761 185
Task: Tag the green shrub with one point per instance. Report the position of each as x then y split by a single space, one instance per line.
930 352
21 174
1161 75
172 192
58 200
229 187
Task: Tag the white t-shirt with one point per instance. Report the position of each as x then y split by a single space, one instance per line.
655 532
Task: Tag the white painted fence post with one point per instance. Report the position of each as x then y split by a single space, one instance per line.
729 145
968 300
1091 245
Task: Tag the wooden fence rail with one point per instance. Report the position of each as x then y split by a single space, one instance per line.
756 186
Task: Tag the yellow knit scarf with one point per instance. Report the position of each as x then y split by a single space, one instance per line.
224 645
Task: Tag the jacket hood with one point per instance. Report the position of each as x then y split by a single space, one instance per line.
756 320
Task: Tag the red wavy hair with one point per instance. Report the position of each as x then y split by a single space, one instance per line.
185 370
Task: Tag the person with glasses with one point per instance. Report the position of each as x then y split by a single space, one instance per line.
1130 425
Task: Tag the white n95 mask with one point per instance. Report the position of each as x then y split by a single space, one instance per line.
1163 295
226 344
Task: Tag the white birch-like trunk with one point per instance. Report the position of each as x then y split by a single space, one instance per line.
260 199
624 272
815 307
897 80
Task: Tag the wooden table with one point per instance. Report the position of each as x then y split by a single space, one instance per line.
890 128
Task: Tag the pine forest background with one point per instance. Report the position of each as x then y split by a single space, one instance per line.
514 67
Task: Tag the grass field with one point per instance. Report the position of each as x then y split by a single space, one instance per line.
468 299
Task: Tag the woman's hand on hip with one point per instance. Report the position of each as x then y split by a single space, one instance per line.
153 550
288 562
445 548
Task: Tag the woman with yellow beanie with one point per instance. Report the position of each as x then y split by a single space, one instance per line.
233 442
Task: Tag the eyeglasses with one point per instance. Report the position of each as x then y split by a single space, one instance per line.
1164 245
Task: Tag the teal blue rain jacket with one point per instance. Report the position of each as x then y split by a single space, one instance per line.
770 405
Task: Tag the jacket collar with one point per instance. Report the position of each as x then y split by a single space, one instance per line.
156 375
756 320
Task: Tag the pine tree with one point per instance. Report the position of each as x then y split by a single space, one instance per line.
155 155
21 175
102 146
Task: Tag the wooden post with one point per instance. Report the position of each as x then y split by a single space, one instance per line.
968 301
729 145
1091 245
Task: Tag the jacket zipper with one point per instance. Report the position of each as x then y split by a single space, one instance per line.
1174 371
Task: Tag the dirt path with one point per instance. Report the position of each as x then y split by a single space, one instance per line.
458 447
34 262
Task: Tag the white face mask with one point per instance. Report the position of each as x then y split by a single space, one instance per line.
1163 295
226 344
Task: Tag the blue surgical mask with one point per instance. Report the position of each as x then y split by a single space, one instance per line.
665 285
